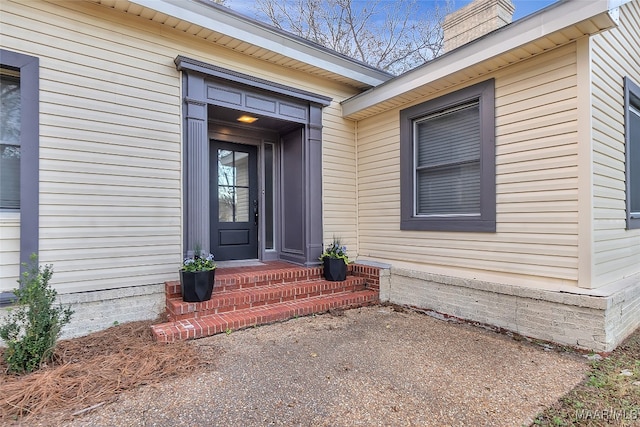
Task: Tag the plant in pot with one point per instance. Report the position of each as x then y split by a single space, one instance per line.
197 276
335 261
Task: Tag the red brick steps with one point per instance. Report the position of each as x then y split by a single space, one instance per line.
250 296
238 299
230 321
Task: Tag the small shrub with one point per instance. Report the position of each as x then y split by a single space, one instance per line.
31 329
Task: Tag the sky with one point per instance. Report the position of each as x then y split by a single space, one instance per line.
523 7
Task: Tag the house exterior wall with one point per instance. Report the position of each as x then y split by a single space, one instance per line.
339 198
535 243
110 147
614 55
561 266
9 250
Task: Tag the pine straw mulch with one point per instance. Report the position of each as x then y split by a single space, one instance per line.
89 371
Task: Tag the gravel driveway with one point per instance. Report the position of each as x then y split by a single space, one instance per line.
371 366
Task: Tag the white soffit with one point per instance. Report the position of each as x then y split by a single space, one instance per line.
556 25
223 26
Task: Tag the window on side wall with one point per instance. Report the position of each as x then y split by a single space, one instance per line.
10 120
632 143
19 149
447 162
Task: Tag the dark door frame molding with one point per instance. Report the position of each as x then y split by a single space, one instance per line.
205 84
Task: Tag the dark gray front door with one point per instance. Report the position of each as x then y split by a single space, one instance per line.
234 201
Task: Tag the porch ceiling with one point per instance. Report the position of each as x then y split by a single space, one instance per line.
228 116
224 27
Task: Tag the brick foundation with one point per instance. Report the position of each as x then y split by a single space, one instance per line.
593 322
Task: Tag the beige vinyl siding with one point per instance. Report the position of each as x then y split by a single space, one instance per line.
378 179
339 201
615 54
339 181
537 180
9 250
110 140
109 150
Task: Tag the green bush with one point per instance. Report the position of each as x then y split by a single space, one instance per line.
31 329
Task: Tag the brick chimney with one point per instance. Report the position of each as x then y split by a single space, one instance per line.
475 20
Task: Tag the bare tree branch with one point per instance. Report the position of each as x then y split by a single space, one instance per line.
394 36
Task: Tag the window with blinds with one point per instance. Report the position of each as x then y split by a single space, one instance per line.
632 140
447 162
634 148
10 122
447 146
19 151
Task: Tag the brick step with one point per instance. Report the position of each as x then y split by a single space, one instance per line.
231 321
229 279
248 297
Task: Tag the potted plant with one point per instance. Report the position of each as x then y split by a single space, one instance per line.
197 276
335 261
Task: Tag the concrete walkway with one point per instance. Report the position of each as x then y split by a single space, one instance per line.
370 366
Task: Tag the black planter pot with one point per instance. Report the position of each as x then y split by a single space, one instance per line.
335 270
197 285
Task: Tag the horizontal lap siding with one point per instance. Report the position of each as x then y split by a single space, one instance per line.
109 149
378 181
615 54
536 146
110 140
9 251
339 180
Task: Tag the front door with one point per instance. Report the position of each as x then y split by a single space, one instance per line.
234 201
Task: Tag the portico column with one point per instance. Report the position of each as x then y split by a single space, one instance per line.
196 167
313 192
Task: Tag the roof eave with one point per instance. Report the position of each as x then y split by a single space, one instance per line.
552 19
240 27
